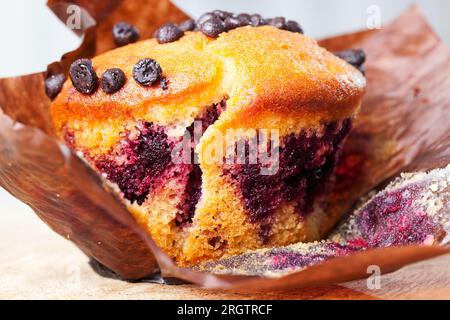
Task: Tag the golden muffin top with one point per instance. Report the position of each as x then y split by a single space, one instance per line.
264 72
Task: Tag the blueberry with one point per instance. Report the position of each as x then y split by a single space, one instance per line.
83 76
187 25
147 72
213 27
125 33
112 80
54 84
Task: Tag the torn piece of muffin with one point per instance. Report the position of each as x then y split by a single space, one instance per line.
412 210
220 140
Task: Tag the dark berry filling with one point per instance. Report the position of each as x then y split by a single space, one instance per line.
146 159
305 163
193 190
392 219
143 162
192 196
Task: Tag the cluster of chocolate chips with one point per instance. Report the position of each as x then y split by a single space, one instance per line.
355 57
214 23
146 72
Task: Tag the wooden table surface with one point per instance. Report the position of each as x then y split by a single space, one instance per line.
35 263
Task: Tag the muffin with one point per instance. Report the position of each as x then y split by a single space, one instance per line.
219 140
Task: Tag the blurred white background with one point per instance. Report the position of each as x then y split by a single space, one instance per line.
32 37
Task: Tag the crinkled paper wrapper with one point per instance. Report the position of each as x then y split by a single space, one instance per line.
404 126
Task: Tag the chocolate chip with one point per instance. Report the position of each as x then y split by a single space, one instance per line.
147 72
187 25
222 14
164 83
125 33
279 22
204 17
231 23
256 20
54 84
168 33
213 27
244 19
112 80
355 57
293 26
83 76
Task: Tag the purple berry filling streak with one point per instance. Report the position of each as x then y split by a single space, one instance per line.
393 220
147 158
148 165
305 164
